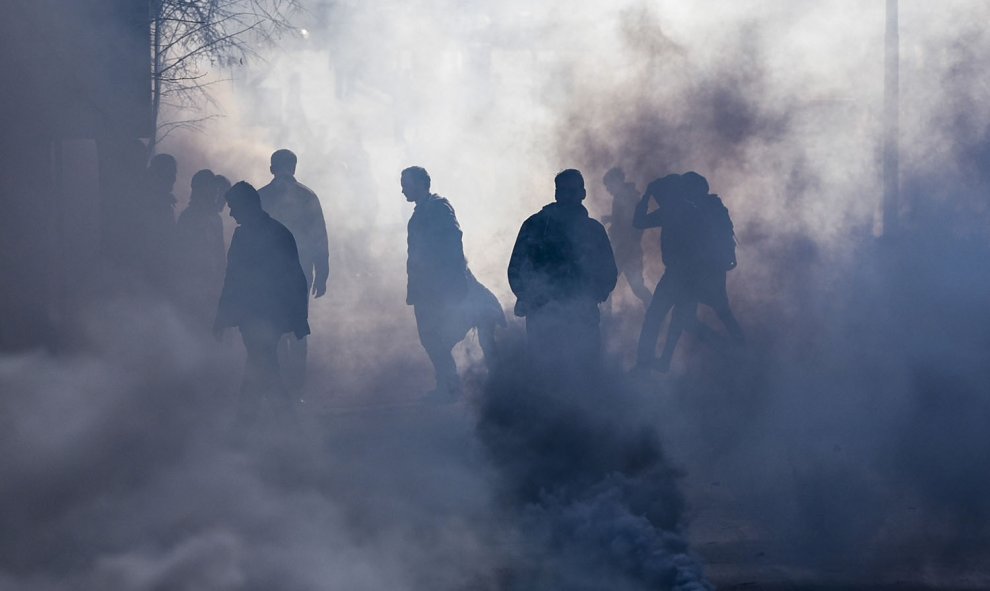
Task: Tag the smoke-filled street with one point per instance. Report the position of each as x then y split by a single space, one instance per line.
455 295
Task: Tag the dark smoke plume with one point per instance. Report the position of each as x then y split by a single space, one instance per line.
583 475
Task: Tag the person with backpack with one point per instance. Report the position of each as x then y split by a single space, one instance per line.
715 254
697 247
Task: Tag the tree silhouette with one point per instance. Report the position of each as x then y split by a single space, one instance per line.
191 36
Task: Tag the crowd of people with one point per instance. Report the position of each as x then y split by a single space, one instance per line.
564 265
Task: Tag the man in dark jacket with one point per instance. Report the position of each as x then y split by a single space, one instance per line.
298 209
446 298
264 292
561 268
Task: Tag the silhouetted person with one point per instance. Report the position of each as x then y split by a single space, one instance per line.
264 295
696 248
446 298
715 254
561 268
298 208
156 221
199 250
626 239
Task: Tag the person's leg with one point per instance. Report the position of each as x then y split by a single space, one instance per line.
292 354
249 406
684 317
294 351
720 304
634 275
430 324
564 337
262 380
731 324
486 338
655 314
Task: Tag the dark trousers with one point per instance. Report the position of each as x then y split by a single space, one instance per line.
672 290
682 291
262 384
564 334
292 353
437 335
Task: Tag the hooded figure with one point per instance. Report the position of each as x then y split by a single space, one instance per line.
264 291
561 268
697 248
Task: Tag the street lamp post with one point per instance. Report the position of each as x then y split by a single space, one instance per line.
891 124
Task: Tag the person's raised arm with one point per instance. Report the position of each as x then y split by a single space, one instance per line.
643 220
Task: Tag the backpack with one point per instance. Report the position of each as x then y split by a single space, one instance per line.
718 239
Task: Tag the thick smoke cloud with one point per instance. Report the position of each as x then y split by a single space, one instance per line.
122 471
584 476
848 438
846 425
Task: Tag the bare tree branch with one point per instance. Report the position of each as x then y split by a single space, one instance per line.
190 37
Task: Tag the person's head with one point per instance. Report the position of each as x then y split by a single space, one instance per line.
203 185
244 202
614 178
283 163
693 184
415 183
162 171
664 188
569 185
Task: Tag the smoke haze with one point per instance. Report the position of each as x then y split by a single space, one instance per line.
847 443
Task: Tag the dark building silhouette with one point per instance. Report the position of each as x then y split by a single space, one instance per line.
76 71
446 297
199 251
264 294
155 222
627 240
298 208
561 268
124 187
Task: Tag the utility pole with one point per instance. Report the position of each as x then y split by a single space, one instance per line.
891 125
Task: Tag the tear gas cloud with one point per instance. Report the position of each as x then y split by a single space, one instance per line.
848 433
